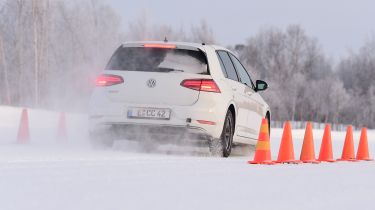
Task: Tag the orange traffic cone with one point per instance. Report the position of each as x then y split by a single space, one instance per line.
286 151
326 146
61 130
308 151
348 149
262 150
363 153
23 131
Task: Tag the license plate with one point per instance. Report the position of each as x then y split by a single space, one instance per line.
149 113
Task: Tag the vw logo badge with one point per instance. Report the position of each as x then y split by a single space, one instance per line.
151 83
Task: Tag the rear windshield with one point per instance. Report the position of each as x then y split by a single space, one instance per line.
158 60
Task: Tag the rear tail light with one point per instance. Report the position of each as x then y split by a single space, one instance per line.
206 85
108 80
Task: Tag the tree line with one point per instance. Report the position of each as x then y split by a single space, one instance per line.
52 50
305 85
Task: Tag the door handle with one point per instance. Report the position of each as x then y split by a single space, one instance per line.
234 88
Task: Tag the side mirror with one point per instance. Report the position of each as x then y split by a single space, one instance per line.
260 85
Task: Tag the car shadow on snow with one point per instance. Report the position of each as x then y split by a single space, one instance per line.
173 148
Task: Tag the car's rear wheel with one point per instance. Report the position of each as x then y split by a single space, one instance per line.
223 146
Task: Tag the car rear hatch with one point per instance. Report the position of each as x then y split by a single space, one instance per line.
153 73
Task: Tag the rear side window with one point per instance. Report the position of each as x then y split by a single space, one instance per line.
158 60
228 65
242 73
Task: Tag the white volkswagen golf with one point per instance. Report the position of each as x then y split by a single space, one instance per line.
161 91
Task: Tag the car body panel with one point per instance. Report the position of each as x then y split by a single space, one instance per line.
109 105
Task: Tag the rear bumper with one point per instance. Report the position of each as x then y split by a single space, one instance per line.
105 114
159 133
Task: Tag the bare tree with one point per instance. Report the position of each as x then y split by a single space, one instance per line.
357 72
287 60
202 33
49 45
5 71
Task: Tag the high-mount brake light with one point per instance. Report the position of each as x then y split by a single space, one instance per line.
164 46
206 85
108 80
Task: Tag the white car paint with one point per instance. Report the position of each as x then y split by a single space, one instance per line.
109 105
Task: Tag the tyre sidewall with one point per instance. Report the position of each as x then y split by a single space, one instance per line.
227 149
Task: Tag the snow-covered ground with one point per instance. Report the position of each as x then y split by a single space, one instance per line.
53 174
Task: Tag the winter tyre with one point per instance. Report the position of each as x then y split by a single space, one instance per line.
222 147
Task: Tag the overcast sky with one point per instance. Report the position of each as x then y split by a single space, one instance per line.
339 25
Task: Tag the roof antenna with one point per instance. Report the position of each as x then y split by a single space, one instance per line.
165 39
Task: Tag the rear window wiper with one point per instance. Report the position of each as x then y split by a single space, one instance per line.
169 70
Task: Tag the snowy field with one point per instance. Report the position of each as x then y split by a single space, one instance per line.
53 174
